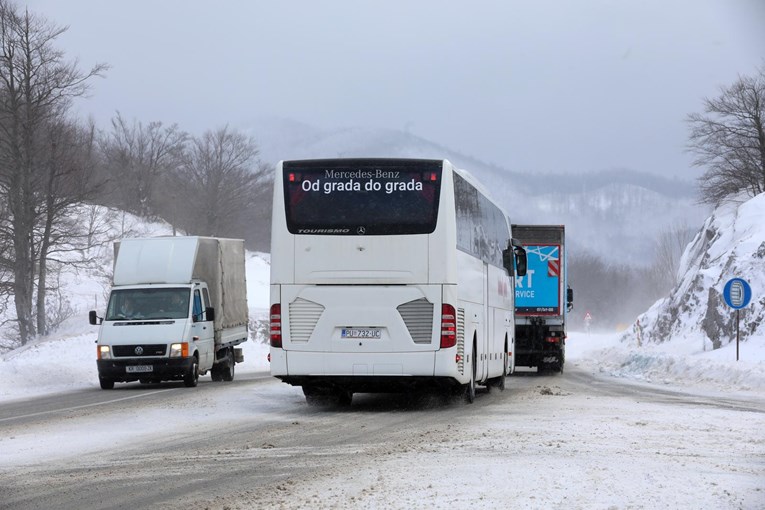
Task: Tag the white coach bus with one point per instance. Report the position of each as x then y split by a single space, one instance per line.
389 275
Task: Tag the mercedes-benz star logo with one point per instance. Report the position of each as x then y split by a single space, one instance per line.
138 350
361 231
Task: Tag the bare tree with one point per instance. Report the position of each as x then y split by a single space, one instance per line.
69 181
136 157
223 180
668 250
37 87
729 140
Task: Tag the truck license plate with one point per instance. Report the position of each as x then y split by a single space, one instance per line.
139 368
361 333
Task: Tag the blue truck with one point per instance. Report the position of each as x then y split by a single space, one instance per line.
542 298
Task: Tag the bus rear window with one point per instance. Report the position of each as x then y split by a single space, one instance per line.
361 197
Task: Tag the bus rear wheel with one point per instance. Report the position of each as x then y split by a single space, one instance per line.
499 382
470 386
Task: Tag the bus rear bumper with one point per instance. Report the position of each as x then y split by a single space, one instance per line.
370 384
368 372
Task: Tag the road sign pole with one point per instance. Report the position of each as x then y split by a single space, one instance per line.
737 294
737 335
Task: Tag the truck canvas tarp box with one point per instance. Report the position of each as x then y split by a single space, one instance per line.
219 262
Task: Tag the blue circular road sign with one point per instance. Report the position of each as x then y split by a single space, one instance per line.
737 293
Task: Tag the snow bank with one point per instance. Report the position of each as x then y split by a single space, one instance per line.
680 362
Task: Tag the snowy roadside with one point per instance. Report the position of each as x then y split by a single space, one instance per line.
67 363
681 362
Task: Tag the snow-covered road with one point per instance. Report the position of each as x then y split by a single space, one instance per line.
578 440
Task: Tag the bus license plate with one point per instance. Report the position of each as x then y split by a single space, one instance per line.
374 333
139 369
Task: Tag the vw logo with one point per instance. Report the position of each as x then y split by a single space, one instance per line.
361 231
138 350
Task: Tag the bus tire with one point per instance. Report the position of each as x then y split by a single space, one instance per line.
501 382
470 386
313 397
344 398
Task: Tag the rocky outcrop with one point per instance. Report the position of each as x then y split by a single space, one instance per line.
731 244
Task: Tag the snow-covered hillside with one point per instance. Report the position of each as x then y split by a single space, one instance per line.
731 244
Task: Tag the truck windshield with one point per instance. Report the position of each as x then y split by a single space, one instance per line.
361 196
139 304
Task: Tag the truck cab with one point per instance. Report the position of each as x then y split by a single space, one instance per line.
156 333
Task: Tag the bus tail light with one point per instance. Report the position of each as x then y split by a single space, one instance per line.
276 325
448 326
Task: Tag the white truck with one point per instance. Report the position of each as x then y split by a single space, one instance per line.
177 309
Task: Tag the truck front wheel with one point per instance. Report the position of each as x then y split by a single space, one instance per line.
192 377
106 384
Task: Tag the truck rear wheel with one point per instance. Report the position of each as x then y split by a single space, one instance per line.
227 369
224 369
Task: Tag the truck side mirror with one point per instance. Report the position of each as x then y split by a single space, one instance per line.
210 313
520 261
93 317
570 298
514 259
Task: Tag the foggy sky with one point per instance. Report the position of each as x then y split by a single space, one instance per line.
535 85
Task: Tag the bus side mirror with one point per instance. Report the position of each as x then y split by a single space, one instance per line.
570 298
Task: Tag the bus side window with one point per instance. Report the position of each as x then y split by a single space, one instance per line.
198 306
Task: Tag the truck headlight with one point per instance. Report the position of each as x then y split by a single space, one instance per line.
104 352
179 350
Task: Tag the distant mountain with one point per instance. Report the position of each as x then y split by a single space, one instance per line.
730 244
616 214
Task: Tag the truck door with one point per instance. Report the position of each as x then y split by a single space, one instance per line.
204 331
